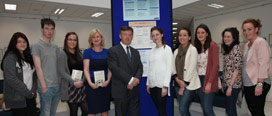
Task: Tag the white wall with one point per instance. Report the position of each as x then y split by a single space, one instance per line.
234 18
30 25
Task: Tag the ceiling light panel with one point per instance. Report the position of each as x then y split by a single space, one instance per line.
213 5
58 11
174 23
10 6
97 14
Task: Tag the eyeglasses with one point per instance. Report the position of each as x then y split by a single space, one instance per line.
75 40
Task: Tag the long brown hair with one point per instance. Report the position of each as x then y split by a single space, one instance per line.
161 32
13 49
208 40
78 54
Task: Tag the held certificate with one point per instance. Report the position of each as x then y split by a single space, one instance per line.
99 77
76 75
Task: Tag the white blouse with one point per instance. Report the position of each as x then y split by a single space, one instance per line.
28 74
160 67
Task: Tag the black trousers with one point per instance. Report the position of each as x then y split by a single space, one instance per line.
256 104
29 110
129 104
74 107
159 101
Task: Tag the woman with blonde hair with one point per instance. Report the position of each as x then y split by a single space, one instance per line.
95 61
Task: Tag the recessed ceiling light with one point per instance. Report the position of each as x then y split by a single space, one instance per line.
61 11
213 5
175 28
97 14
174 23
58 11
10 6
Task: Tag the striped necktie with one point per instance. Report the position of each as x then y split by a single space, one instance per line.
128 54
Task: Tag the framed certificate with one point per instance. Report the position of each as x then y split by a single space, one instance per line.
99 77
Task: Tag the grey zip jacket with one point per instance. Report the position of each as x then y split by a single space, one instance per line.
15 90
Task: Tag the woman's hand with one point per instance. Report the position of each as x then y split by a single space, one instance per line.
148 89
208 88
78 84
181 91
258 90
94 86
164 92
229 90
105 84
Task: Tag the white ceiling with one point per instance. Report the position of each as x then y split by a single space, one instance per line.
183 10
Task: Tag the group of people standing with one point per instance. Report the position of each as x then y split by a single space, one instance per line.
47 69
248 70
194 68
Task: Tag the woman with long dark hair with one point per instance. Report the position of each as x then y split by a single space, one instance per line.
185 69
232 66
159 71
20 79
208 66
72 90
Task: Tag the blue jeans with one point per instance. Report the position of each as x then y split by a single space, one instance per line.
185 101
49 101
206 100
231 101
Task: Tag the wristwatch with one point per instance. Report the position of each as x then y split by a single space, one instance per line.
260 84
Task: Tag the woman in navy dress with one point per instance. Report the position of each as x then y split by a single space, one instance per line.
94 60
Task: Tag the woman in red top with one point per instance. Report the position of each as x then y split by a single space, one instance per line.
208 66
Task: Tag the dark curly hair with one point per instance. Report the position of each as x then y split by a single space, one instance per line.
235 35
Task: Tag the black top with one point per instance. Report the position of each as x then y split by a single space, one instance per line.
78 65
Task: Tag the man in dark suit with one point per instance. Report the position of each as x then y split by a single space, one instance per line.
127 69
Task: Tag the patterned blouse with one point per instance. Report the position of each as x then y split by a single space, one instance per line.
202 61
232 61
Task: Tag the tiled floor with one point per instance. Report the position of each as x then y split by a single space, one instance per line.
195 109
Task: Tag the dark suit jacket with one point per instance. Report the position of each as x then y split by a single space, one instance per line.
122 71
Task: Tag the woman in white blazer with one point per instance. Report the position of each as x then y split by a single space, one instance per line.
185 71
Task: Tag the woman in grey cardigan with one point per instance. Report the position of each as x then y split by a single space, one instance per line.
72 90
20 79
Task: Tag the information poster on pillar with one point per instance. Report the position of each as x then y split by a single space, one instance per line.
141 34
142 41
141 10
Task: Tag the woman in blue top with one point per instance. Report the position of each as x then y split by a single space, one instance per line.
95 62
